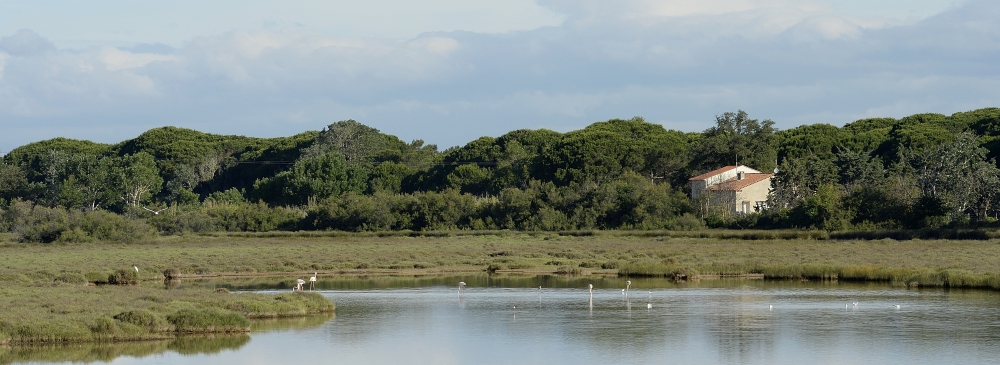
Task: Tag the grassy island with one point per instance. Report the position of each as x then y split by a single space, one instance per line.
75 313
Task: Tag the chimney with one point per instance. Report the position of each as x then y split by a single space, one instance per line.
739 175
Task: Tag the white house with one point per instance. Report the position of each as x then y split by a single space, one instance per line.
736 189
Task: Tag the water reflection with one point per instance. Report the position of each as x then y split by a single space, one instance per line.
503 319
183 345
106 352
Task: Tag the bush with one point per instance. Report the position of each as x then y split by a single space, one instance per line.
196 221
124 277
172 273
208 320
686 222
143 318
107 226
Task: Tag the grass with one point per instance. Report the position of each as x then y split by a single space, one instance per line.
45 295
924 262
74 313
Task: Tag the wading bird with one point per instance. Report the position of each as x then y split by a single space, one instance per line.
591 289
155 212
628 284
299 283
461 286
312 282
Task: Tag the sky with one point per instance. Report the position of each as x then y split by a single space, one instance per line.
450 71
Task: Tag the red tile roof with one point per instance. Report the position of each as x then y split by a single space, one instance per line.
737 185
712 173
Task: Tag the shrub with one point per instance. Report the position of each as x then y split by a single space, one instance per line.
143 318
124 277
208 320
172 273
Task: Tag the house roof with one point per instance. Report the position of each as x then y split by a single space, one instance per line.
711 173
737 185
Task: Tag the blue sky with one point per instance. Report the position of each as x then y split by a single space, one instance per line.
449 71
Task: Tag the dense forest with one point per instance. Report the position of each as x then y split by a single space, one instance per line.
925 170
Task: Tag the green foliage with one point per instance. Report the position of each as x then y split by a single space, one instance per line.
127 276
35 223
229 197
208 320
736 136
143 318
879 173
312 178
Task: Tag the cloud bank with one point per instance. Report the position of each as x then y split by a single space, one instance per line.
674 63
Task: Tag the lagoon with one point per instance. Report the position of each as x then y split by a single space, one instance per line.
509 320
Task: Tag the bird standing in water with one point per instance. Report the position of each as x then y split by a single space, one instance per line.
312 281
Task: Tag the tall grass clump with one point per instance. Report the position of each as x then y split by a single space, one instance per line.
208 320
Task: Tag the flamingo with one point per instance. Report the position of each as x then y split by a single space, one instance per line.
461 286
299 283
591 289
312 281
628 284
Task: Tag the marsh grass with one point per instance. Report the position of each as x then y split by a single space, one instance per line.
45 295
55 314
651 254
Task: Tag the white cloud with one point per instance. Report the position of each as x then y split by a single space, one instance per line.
115 59
794 62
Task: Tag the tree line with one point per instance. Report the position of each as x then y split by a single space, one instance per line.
925 170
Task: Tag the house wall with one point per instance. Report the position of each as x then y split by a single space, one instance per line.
753 194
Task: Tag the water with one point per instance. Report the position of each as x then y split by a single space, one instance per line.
509 320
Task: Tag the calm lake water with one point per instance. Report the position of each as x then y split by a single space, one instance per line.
508 320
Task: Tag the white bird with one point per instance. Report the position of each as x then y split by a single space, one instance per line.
855 304
591 288
136 269
312 281
649 306
299 283
156 211
628 284
897 306
461 286
770 307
